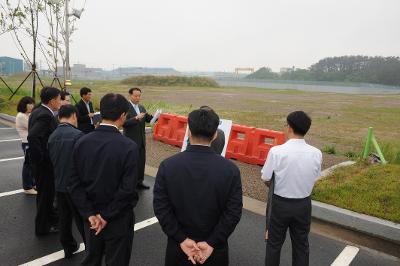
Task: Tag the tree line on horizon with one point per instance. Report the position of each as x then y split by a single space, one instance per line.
360 69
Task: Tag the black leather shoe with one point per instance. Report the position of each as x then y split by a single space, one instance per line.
142 186
70 252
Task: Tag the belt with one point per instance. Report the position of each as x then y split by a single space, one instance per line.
290 199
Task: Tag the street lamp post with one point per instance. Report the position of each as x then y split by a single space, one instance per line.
67 81
67 70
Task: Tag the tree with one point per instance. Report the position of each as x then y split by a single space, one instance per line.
22 19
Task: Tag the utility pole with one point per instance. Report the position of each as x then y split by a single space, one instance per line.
67 81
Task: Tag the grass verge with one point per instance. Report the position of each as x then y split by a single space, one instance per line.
369 189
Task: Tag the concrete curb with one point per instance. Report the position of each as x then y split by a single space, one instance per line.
356 221
8 118
330 170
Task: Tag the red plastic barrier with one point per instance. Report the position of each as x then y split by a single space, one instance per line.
179 130
262 141
164 128
239 143
247 144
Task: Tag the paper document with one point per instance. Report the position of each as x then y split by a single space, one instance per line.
96 118
156 116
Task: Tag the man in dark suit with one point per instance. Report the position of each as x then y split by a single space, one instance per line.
198 198
104 185
41 124
134 128
61 144
86 111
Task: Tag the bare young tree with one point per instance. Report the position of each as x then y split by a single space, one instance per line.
21 19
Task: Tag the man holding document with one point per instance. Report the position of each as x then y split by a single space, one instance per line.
293 169
134 128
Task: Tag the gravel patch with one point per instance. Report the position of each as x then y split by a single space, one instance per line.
252 185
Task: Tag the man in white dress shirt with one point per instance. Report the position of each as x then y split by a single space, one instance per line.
295 166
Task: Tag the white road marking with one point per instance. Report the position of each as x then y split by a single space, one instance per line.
346 256
12 159
145 223
60 254
9 140
9 193
51 257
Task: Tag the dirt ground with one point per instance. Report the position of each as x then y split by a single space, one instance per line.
253 187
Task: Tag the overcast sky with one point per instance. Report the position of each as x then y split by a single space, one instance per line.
219 35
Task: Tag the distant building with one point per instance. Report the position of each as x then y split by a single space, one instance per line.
140 71
9 66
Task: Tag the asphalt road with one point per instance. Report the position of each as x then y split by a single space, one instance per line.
18 244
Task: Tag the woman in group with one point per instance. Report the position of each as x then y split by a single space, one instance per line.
24 109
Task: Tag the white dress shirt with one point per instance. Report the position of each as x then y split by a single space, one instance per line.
136 107
48 108
297 166
88 108
109 125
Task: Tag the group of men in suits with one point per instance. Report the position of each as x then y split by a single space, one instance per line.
53 132
197 195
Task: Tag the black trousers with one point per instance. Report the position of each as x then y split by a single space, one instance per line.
67 212
294 214
174 256
114 242
46 215
28 182
141 164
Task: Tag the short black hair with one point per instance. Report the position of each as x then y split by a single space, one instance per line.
203 123
112 106
300 122
66 111
206 107
63 94
131 90
21 107
84 91
49 93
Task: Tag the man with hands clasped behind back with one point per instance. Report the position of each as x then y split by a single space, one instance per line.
198 198
103 187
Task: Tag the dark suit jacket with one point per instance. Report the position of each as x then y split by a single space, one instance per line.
61 144
41 124
105 173
135 129
198 194
84 122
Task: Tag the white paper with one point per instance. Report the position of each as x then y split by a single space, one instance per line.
156 116
96 118
224 125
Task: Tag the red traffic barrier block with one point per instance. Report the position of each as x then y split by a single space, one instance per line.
239 145
262 141
163 130
179 130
